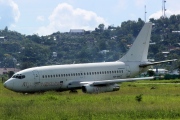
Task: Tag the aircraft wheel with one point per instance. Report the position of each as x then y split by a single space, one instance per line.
73 91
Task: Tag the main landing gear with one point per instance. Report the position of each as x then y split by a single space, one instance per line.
73 91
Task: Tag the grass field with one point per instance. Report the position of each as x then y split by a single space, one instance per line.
135 100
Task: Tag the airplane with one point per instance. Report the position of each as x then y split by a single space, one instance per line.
89 77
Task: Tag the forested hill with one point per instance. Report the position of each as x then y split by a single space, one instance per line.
101 44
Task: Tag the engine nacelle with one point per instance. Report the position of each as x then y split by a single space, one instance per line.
100 89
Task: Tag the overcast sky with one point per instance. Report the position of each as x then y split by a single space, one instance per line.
44 17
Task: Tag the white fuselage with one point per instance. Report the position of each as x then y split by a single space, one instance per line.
58 77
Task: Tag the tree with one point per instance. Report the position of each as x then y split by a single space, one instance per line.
10 74
150 73
6 29
101 27
26 65
102 45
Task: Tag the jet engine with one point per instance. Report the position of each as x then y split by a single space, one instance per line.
100 88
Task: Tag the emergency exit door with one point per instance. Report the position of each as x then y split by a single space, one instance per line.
36 76
128 72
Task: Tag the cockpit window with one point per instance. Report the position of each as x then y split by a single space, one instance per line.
18 76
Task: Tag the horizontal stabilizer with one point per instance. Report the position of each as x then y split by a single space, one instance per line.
154 63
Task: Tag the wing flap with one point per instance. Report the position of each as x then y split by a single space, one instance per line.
106 82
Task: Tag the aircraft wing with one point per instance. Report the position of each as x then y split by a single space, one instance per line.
154 63
106 82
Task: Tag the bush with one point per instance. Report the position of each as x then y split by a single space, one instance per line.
139 98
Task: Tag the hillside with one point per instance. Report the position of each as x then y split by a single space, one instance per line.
101 44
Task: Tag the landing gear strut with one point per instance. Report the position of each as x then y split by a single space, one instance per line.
73 91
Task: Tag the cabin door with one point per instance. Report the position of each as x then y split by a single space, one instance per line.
128 72
36 76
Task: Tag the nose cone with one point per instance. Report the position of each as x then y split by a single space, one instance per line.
9 84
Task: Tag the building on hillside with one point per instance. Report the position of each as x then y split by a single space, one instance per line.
174 72
104 51
77 31
6 70
152 43
54 54
175 31
165 53
2 38
171 48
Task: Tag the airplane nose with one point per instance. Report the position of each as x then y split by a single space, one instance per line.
4 84
8 84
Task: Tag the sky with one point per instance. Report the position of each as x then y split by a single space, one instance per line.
44 17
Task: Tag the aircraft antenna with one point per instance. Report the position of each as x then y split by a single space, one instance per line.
163 8
145 13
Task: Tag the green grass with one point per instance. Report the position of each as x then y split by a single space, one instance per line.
161 102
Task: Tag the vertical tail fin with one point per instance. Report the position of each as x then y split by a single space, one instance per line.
139 49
